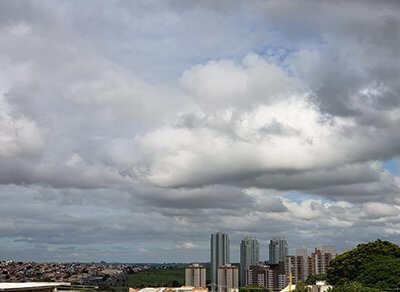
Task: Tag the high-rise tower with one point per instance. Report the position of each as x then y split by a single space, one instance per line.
249 256
278 250
219 255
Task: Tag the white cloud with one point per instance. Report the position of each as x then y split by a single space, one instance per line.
186 245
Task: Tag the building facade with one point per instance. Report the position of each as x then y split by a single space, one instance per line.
319 262
304 253
195 276
294 265
249 256
302 266
271 277
278 250
219 255
228 278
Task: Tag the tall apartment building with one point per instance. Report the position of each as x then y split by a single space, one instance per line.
219 255
301 266
319 262
304 253
195 276
295 265
271 277
278 250
228 278
249 256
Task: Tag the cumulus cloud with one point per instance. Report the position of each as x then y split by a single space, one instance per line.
126 128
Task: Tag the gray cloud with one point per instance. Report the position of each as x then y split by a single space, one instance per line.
133 124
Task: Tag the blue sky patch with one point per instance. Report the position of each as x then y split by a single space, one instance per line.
392 166
298 197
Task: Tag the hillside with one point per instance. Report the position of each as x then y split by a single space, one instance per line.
375 264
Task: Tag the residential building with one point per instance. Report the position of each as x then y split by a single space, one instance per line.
195 276
319 262
228 278
304 253
278 250
271 277
294 265
219 255
249 256
302 266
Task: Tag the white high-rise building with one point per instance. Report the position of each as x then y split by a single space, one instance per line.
278 250
195 276
249 256
219 255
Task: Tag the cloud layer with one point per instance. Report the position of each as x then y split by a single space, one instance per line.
132 130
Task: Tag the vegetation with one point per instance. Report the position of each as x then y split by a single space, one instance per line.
253 288
372 265
156 277
302 287
352 287
170 277
314 278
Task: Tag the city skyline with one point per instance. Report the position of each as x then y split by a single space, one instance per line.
263 251
132 130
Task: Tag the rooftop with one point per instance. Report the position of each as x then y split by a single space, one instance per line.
30 285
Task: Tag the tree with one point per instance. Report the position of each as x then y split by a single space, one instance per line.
314 278
352 287
375 265
382 273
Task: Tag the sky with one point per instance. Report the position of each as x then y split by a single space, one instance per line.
132 130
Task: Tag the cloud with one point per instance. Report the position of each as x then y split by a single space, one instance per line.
186 245
139 129
223 84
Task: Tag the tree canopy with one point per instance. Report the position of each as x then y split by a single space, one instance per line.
314 278
375 265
